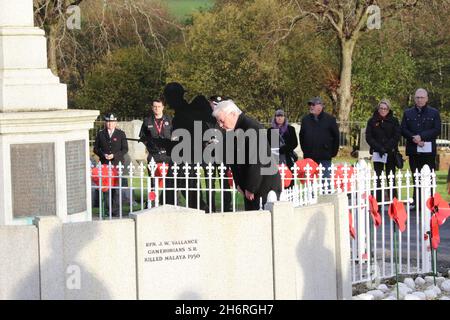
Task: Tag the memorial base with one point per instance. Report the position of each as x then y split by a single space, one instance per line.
44 160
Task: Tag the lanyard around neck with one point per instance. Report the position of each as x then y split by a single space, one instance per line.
160 126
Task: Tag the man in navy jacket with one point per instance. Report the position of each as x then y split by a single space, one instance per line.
421 125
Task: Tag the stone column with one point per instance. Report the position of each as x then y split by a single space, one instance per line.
44 147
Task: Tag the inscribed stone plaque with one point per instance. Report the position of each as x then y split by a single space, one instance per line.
33 179
189 255
76 176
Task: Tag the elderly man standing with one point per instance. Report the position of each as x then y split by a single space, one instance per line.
319 135
253 177
421 125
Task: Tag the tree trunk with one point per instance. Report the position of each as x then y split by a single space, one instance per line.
51 31
344 91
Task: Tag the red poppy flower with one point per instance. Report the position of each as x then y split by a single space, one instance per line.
434 227
397 213
287 175
229 174
440 211
350 221
159 173
109 179
339 175
302 164
152 196
439 207
373 204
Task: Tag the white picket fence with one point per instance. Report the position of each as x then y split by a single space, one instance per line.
372 249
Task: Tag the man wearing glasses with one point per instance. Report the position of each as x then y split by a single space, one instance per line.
421 125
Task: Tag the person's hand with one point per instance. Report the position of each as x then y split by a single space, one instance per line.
421 143
417 139
250 196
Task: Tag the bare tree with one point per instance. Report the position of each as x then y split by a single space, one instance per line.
349 21
107 24
49 15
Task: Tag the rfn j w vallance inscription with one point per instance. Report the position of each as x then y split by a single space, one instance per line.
171 250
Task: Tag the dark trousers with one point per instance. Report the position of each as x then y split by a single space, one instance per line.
226 186
115 200
387 168
417 162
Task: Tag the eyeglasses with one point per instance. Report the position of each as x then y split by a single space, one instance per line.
421 97
384 109
279 115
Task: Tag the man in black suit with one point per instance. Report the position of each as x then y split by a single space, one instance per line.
111 146
254 176
319 135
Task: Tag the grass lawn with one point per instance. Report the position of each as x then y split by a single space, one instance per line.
183 8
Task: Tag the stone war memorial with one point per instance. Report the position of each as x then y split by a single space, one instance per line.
44 146
50 247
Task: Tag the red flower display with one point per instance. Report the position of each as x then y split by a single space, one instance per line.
301 173
159 173
339 175
229 174
152 196
108 179
440 211
287 175
435 236
350 220
373 204
397 213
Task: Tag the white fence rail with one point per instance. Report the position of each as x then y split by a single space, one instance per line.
117 191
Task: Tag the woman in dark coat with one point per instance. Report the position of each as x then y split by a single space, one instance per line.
288 138
383 135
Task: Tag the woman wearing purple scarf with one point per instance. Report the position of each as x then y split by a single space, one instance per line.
288 139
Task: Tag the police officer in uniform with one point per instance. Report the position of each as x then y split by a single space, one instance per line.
111 143
111 146
156 134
